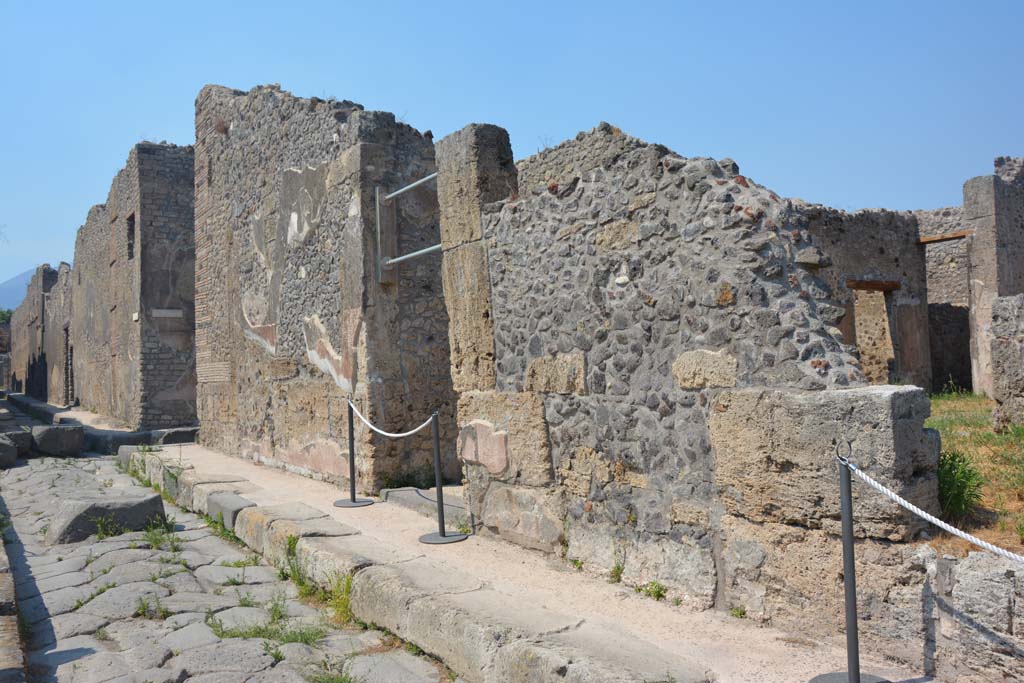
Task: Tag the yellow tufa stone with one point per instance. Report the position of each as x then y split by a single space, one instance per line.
701 369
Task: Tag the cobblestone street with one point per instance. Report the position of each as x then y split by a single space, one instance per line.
177 602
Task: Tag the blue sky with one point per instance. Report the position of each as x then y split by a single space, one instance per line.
856 104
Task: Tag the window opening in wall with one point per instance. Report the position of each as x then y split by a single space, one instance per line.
131 236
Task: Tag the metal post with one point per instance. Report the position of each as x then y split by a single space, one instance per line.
849 576
352 502
440 537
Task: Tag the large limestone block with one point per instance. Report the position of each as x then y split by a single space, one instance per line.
474 167
702 368
58 440
78 517
563 373
467 293
252 524
775 448
507 432
530 517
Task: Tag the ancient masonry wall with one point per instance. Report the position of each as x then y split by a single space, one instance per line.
994 212
56 338
948 297
875 268
1008 361
28 360
5 356
131 282
652 381
290 318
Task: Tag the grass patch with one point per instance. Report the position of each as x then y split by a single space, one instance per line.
95 594
150 610
653 589
160 535
106 527
221 531
738 612
275 631
993 479
616 574
250 561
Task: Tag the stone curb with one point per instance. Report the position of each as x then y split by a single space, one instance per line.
105 441
12 655
482 634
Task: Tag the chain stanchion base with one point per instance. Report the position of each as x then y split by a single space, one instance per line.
437 539
844 677
357 503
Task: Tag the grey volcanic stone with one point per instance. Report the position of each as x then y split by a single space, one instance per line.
241 656
8 452
226 506
22 439
77 517
59 440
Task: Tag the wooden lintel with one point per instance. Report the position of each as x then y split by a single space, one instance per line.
873 285
948 237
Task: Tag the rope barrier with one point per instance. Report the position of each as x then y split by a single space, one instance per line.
924 515
381 431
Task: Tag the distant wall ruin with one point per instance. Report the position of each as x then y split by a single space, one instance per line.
291 318
29 369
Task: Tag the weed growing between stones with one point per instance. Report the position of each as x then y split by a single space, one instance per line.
331 674
95 594
274 630
221 531
739 612
274 651
340 599
250 561
616 574
653 589
156 610
277 609
160 535
245 600
101 635
577 564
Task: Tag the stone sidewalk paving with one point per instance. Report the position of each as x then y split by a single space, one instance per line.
177 602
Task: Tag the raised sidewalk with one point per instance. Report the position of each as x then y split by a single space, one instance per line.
490 610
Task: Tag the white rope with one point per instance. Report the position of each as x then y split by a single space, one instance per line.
924 515
381 431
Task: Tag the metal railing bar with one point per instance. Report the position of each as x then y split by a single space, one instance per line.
410 186
410 256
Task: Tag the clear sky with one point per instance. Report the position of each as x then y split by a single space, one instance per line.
852 104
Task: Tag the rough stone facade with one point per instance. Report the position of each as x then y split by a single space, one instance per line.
653 379
291 318
948 297
1008 361
132 293
874 266
5 356
29 364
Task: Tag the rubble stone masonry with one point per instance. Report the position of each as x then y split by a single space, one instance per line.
28 358
291 319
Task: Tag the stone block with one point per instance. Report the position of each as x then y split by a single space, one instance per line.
76 518
474 167
275 544
22 440
467 293
326 559
530 517
701 369
563 373
507 433
58 440
190 479
252 525
775 449
224 507
8 452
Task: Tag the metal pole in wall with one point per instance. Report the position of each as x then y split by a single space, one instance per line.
352 501
440 537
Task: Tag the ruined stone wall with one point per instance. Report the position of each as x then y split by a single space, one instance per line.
875 254
28 328
5 337
91 314
1008 361
132 281
56 340
166 246
651 383
994 212
948 298
290 320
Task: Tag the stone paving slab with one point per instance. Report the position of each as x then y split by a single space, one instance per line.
176 603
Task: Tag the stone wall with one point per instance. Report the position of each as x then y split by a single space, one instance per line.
132 294
1008 361
872 263
29 370
994 212
57 340
290 317
5 337
652 383
948 297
